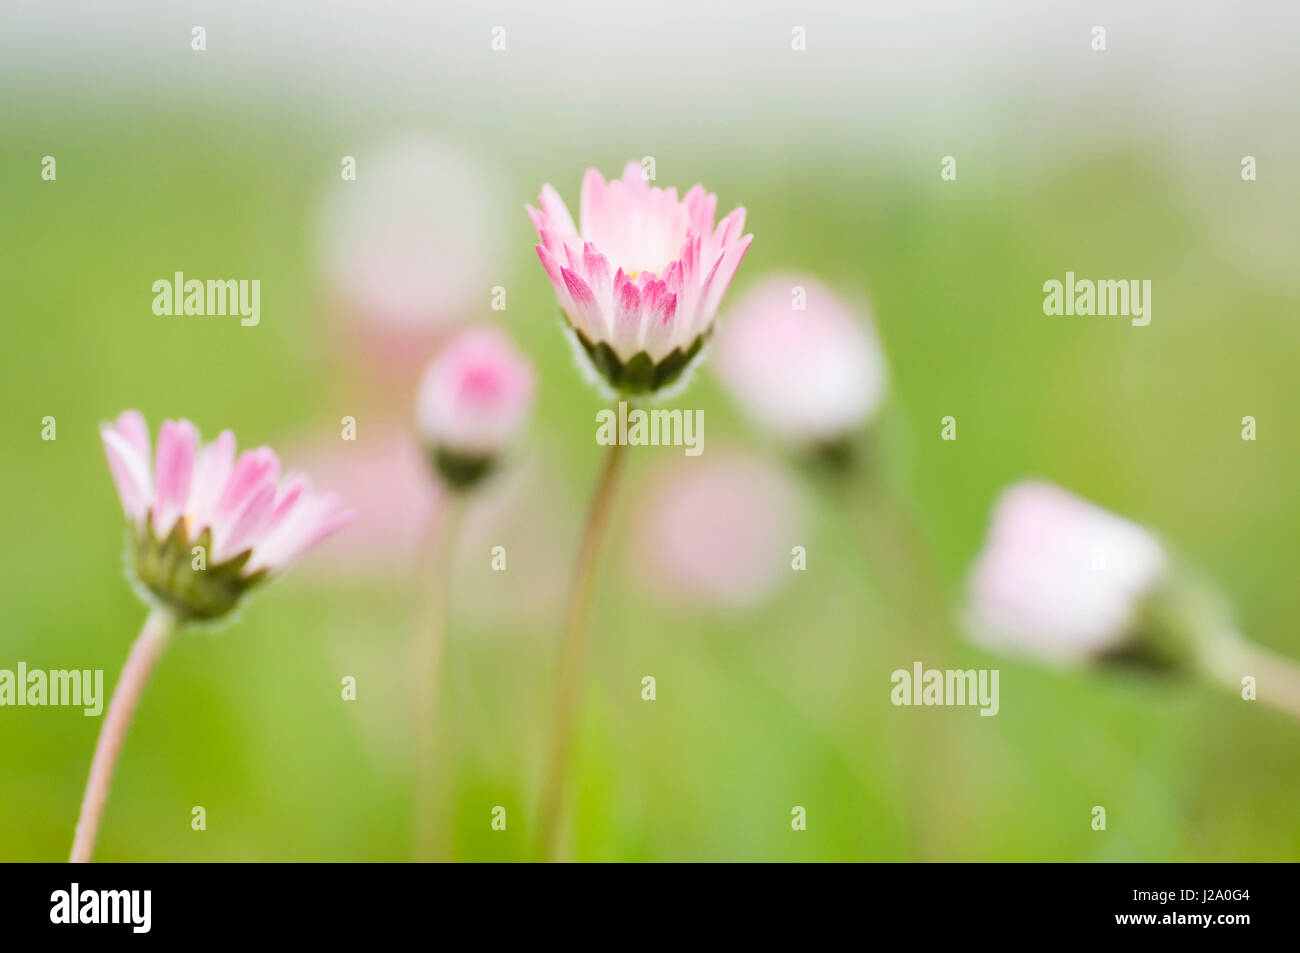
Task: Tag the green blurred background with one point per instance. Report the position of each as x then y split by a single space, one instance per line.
784 703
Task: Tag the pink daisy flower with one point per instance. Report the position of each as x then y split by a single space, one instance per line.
473 403
1061 578
208 526
801 362
642 278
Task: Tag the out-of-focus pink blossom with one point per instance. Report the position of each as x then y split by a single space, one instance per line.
411 243
1060 578
641 276
801 362
717 532
476 394
398 502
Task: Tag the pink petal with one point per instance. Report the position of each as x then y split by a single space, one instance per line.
596 267
661 328
131 426
634 177
588 312
729 228
130 472
287 497
253 469
552 269
539 220
627 316
700 208
313 519
673 277
210 476
246 525
555 209
720 280
173 468
592 209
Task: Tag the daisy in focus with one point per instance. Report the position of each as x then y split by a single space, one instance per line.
642 274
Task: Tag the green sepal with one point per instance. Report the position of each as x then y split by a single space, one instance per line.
166 568
640 374
1176 623
460 471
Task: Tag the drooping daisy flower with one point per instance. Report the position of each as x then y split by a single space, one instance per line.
208 526
641 276
800 362
1061 578
1067 582
473 402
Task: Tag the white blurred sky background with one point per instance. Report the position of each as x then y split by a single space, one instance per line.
1210 79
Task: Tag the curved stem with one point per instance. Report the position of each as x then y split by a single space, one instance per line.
430 642
146 651
568 691
1277 678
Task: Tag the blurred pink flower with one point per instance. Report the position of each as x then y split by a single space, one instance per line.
398 502
411 244
475 396
717 532
812 376
641 282
248 521
1060 578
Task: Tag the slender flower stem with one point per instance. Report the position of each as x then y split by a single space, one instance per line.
146 651
909 578
573 659
430 644
1277 678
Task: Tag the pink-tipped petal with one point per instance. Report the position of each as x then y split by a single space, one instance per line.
173 469
593 202
731 227
130 472
314 518
721 280
627 317
210 475
634 177
130 424
661 329
246 525
588 313
253 469
554 208
596 268
291 491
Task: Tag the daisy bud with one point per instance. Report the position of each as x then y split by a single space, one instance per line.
1067 581
641 276
206 526
472 404
801 363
